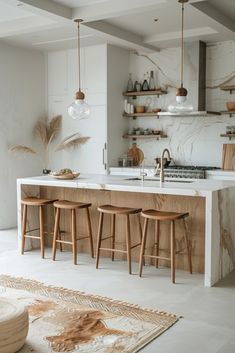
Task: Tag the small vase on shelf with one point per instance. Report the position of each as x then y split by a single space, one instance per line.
145 85
151 81
130 86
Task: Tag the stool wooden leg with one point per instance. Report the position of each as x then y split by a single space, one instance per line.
173 251
140 228
157 234
24 222
74 236
59 233
140 232
188 245
56 228
113 219
142 251
59 236
100 229
128 243
41 230
90 231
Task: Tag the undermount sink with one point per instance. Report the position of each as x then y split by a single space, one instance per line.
166 181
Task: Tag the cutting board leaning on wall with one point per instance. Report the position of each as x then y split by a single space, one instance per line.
228 156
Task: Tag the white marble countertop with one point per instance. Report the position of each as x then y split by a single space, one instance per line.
200 187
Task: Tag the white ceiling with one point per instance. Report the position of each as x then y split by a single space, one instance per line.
48 24
77 3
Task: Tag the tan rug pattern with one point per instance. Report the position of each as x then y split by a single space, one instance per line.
63 320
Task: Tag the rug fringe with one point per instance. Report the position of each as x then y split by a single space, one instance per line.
98 302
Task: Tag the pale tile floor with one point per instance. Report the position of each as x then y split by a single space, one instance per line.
208 323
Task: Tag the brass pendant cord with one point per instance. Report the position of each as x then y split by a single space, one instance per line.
79 57
182 47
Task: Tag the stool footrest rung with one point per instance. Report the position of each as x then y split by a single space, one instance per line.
114 250
64 242
32 236
33 230
158 257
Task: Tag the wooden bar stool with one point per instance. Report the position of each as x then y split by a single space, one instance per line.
36 202
114 211
158 216
72 207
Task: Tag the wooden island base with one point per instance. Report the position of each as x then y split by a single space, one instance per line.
195 222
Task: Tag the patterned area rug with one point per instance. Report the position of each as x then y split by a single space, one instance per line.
63 320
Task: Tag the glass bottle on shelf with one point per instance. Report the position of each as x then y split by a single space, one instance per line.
130 86
145 85
151 81
137 86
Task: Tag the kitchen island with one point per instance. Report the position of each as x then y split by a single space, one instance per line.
210 203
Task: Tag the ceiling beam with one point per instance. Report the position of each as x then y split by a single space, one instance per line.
114 8
25 25
212 12
188 33
114 34
48 8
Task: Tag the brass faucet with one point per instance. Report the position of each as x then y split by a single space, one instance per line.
162 174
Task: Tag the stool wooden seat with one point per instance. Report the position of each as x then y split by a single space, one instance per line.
36 202
158 216
72 207
114 211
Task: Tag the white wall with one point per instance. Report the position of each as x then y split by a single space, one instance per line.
192 141
117 72
22 102
62 85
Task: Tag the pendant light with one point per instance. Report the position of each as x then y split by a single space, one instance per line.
79 109
181 105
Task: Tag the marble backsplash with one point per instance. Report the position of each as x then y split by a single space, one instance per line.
191 140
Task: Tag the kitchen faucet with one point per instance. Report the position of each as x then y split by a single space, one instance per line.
162 166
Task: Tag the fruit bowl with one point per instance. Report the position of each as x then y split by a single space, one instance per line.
65 174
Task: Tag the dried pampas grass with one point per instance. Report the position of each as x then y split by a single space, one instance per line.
54 128
21 149
47 132
72 141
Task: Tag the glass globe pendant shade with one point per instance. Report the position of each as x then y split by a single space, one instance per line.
79 109
181 105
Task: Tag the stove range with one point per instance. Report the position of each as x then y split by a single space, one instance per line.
187 172
191 167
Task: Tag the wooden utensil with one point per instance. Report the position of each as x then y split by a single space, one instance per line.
136 153
228 155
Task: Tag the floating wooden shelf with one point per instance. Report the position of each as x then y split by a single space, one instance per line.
228 88
196 113
230 136
152 136
157 92
228 112
142 115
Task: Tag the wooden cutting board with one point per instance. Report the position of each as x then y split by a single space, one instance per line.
227 156
136 153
